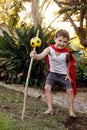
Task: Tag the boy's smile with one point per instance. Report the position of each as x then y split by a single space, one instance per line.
61 42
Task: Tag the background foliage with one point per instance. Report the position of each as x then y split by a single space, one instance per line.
16 35
15 59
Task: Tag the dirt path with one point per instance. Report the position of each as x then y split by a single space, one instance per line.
58 99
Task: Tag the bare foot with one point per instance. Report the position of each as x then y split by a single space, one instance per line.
72 115
49 112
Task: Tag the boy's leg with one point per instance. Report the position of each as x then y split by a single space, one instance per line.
48 98
71 102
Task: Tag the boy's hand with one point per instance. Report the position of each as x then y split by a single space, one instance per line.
33 54
68 78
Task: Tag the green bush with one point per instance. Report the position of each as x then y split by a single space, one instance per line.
81 69
15 59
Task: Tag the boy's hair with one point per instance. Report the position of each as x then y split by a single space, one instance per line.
63 33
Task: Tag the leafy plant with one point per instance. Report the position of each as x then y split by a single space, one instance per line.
15 60
81 69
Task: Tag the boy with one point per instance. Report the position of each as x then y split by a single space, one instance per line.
59 62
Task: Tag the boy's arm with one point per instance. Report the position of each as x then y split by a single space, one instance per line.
41 55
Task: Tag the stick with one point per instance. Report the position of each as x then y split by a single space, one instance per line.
25 91
26 85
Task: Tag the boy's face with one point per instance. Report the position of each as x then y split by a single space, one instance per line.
61 42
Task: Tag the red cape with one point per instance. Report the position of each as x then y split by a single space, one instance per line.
71 69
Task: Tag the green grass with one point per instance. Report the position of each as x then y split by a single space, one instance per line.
5 122
11 104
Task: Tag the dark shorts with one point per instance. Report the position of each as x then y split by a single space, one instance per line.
54 79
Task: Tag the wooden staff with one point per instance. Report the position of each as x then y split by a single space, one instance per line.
28 76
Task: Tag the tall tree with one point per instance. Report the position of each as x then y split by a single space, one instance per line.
75 11
38 9
10 9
